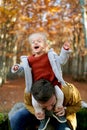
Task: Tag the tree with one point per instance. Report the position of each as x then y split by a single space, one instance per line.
60 19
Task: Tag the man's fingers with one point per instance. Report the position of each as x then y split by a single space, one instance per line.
61 113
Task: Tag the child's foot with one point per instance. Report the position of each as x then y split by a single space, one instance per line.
61 119
44 123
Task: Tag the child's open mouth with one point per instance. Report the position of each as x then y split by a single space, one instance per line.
36 47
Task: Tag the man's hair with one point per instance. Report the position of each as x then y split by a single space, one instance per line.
42 90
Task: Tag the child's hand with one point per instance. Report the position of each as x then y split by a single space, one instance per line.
60 111
16 67
40 115
66 45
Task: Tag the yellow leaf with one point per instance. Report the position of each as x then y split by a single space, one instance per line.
55 9
24 18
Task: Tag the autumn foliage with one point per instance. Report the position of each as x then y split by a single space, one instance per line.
62 20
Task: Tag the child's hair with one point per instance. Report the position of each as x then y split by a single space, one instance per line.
35 35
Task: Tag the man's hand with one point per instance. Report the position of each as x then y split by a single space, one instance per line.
60 111
40 115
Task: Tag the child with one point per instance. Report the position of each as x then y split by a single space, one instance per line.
45 65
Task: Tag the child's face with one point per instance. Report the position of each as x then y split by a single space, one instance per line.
38 45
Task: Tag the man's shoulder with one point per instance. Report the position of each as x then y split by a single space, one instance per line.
70 89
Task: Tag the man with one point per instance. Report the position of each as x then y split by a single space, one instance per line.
44 92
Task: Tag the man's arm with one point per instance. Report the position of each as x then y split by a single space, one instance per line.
28 102
72 99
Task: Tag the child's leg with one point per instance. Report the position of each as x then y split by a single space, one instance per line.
59 104
36 106
59 96
43 122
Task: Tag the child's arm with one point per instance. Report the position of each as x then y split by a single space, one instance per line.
65 53
17 68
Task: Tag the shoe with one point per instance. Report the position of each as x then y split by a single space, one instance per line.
61 119
48 113
44 123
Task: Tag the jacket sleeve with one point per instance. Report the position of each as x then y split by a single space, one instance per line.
28 102
72 99
64 56
20 66
20 69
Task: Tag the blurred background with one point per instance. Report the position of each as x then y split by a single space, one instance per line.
62 20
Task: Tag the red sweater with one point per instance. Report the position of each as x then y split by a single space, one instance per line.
41 68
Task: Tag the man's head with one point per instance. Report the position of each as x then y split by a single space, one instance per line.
38 42
44 92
